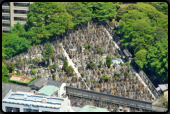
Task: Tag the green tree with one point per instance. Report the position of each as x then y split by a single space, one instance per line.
51 19
140 58
165 8
157 59
50 66
127 64
108 61
38 59
55 66
100 63
60 57
70 70
33 60
79 12
10 67
5 71
102 10
86 46
38 76
90 65
47 52
18 28
65 65
53 76
14 45
118 56
33 71
72 77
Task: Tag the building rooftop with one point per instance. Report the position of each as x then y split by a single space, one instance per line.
38 82
48 90
89 108
25 98
6 87
54 83
163 87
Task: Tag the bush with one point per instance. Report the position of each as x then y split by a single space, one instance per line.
75 63
129 75
33 71
94 80
34 67
38 59
86 46
55 66
72 77
33 60
38 76
115 53
29 66
10 66
127 64
60 57
65 65
91 81
118 56
117 74
5 79
53 76
121 63
115 77
50 66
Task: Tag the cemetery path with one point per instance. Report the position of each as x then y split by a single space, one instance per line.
70 63
140 79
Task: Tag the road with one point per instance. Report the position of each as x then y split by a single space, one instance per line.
140 79
70 63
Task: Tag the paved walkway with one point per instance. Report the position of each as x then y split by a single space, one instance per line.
159 109
140 79
70 63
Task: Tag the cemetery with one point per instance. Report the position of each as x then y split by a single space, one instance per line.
85 45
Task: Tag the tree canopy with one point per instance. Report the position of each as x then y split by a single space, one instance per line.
47 52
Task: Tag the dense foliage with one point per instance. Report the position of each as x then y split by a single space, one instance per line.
144 31
47 52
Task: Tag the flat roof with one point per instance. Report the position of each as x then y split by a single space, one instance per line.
48 90
25 98
163 87
89 108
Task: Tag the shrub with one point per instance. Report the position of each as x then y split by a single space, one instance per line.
75 63
115 77
33 71
29 66
121 63
86 46
127 64
106 78
50 66
72 77
115 53
118 56
60 57
65 65
55 66
53 76
117 74
91 81
17 64
34 67
94 80
129 75
38 76
38 59
33 60
82 73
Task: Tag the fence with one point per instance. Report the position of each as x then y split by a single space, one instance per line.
108 98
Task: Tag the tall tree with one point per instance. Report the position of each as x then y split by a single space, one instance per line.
79 12
47 19
108 61
5 71
102 10
140 58
47 52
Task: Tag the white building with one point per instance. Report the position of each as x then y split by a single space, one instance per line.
29 102
13 12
